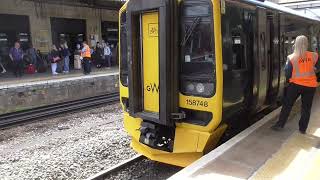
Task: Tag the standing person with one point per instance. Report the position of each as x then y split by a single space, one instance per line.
77 55
54 57
86 56
103 43
32 53
65 53
16 56
300 71
42 65
113 54
99 55
108 55
1 65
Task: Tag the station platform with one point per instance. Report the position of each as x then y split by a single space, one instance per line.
261 153
9 79
17 94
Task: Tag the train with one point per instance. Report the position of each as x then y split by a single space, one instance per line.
190 68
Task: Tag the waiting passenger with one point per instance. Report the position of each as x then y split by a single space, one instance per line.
300 72
16 56
42 63
113 54
32 54
54 59
65 53
99 54
77 59
108 55
86 56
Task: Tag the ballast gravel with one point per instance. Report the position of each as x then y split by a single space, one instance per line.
145 170
72 146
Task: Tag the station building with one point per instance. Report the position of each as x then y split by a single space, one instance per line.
46 22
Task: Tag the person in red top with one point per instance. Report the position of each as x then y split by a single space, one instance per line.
300 71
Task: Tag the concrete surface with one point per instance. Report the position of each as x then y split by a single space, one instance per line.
261 153
9 79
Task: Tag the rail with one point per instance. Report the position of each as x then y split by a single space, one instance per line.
101 175
56 109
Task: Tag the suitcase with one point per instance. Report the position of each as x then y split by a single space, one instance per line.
31 69
77 62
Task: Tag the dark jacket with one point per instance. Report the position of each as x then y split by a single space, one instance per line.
53 54
65 52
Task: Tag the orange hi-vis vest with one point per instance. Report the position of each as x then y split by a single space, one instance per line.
303 70
87 53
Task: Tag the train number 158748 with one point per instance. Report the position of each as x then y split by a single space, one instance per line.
197 103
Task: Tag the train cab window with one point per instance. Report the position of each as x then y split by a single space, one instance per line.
123 50
197 48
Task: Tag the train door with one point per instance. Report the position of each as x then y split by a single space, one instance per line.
261 61
153 66
237 33
150 56
153 69
273 58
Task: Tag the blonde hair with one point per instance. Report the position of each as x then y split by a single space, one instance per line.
300 47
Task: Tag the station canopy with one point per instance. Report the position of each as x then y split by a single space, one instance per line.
99 4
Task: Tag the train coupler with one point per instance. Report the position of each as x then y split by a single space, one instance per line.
157 136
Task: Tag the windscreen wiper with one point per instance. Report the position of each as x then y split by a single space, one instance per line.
195 23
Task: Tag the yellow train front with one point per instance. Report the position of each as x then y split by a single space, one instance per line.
177 92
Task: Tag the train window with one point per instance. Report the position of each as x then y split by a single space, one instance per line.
314 44
123 51
234 37
197 47
196 10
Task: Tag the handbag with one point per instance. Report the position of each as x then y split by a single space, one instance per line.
56 59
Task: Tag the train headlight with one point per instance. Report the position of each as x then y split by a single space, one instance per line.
190 87
200 88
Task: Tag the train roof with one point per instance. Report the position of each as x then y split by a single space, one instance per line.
274 6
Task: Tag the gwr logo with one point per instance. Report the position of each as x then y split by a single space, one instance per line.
152 88
304 60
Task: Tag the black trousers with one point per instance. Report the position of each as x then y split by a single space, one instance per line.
86 66
18 68
293 92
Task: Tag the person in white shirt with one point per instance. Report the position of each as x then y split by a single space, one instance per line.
108 54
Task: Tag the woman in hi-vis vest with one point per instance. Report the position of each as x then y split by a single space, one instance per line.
300 72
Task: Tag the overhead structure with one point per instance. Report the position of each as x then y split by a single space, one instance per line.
310 8
98 4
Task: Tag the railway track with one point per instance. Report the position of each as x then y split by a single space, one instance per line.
103 174
138 167
56 109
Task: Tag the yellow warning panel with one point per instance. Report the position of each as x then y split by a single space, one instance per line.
150 41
